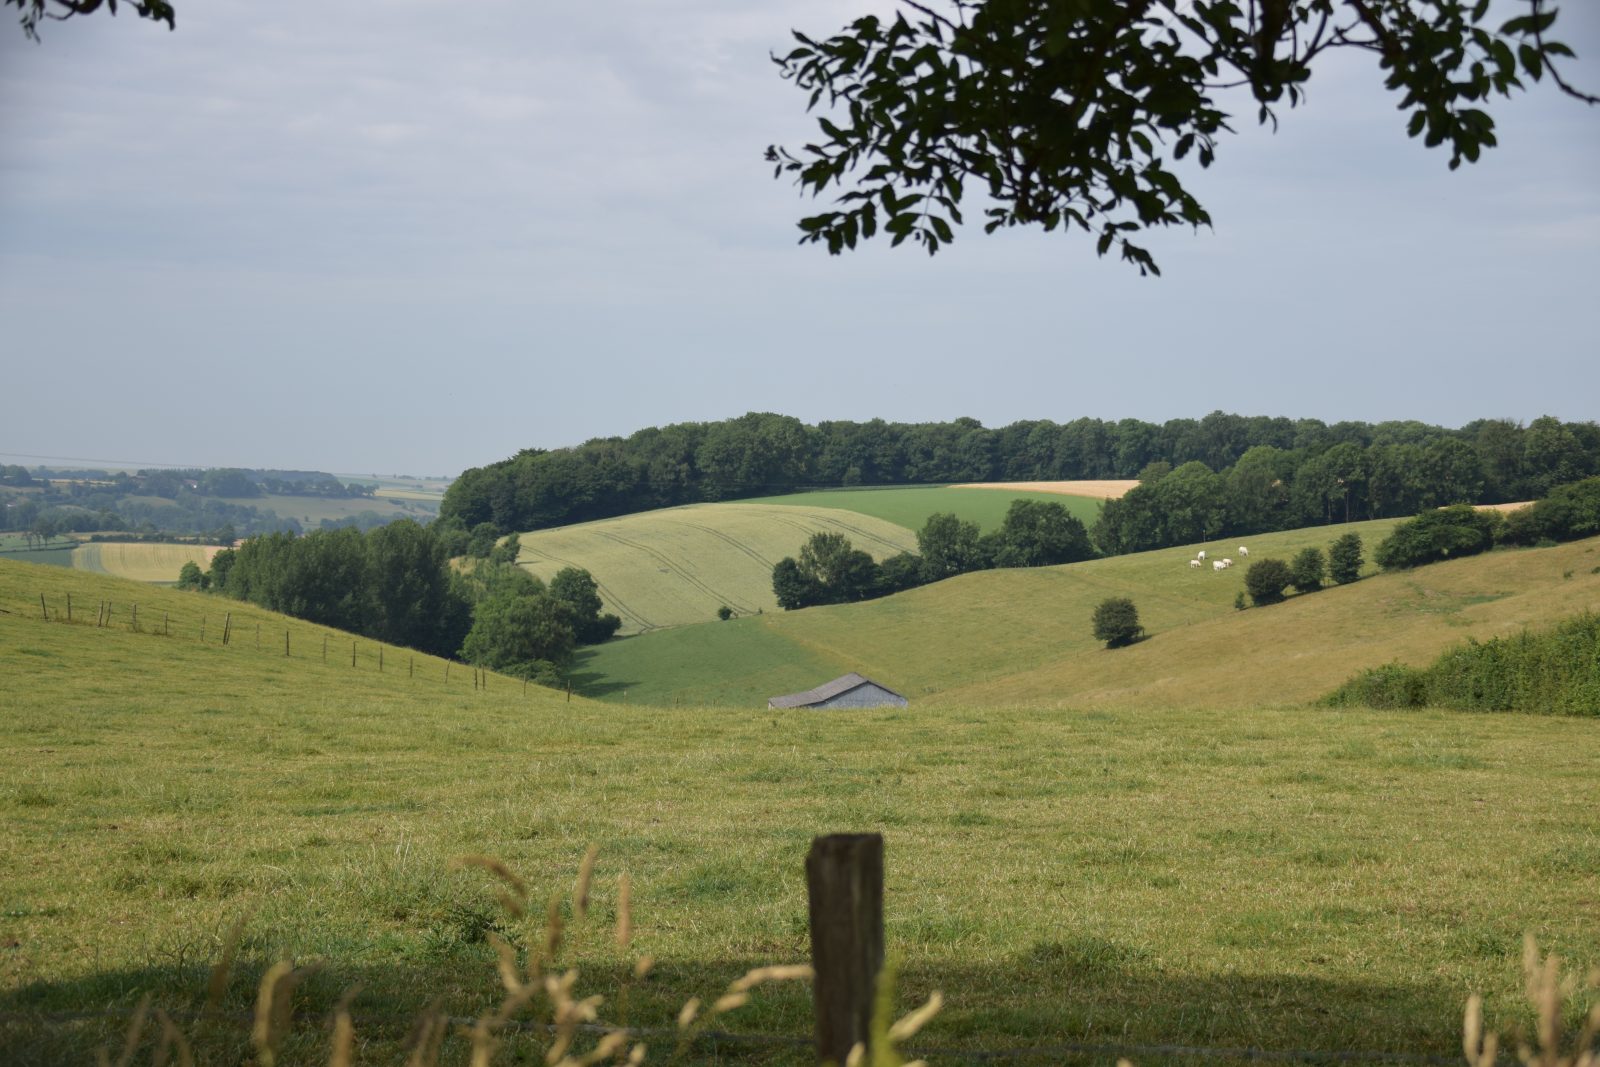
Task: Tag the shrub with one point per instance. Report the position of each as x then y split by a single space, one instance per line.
1344 559
1308 570
1458 530
1266 579
1116 622
1569 512
724 613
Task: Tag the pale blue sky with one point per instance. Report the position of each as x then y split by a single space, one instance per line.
406 237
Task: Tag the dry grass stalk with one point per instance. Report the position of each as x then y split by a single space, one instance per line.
624 911
515 901
1547 994
580 893
344 1032
428 1038
130 1043
261 1033
218 985
172 1042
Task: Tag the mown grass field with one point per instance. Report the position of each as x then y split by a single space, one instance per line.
679 565
910 506
1024 636
1243 878
142 562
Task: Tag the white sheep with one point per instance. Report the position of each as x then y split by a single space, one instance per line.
1200 555
1194 563
1227 563
1218 565
1243 551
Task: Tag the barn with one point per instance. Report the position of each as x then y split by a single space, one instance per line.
850 691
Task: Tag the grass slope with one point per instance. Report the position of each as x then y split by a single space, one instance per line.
1236 878
142 562
1023 636
910 506
679 565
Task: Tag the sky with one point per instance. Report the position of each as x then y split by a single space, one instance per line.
401 237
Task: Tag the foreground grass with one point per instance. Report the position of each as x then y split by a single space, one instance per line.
1241 878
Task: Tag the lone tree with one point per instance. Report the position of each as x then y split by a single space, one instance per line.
1074 116
1344 558
1116 622
1266 580
1308 570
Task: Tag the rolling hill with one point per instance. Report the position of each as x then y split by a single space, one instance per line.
679 565
1023 636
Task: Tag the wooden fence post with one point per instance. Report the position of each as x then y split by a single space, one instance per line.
69 607
44 612
165 630
324 648
352 653
844 882
285 642
135 623
258 635
227 627
380 659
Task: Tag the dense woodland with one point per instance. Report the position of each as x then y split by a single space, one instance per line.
1217 476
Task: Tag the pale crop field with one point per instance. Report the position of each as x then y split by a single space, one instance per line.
1105 489
1241 877
679 565
141 562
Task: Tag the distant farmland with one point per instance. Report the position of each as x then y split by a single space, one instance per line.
679 565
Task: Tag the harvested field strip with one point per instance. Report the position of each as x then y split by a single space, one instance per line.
1106 489
683 570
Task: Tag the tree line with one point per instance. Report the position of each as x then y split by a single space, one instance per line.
830 570
1236 474
396 584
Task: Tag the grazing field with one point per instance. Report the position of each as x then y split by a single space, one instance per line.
679 565
910 505
142 562
1023 636
1238 878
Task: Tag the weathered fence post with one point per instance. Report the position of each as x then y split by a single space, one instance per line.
135 623
352 653
69 607
324 648
285 642
844 881
258 635
380 659
44 612
165 630
227 627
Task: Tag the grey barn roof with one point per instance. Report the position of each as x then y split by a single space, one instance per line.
827 691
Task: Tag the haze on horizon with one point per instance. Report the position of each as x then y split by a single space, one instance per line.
402 243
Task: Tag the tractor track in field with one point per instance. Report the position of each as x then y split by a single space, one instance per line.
678 569
606 594
729 539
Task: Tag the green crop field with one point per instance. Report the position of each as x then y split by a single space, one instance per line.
1024 636
910 506
1246 877
679 565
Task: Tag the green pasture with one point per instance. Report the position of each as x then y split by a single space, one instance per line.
57 553
679 565
1240 877
1024 636
910 506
